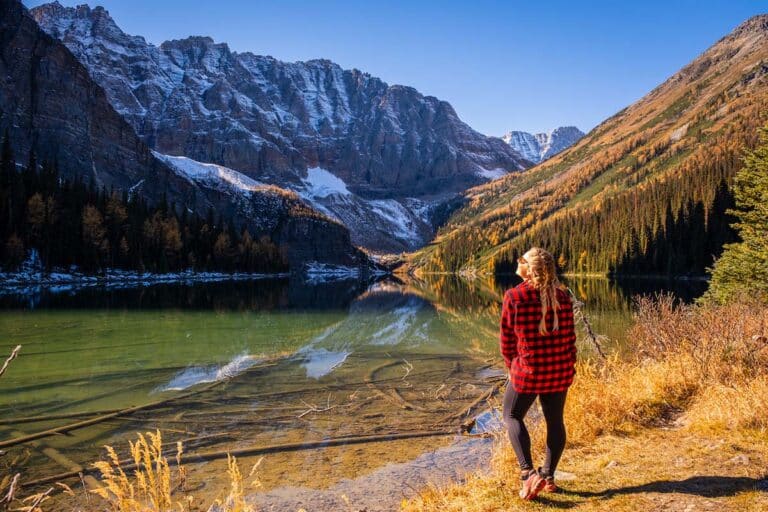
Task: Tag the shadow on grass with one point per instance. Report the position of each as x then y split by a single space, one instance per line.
705 486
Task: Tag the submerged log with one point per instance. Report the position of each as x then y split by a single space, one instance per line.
99 419
127 465
395 397
467 410
62 460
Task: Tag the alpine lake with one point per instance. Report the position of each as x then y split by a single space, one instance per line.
347 394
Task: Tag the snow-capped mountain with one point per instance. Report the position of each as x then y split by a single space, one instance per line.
51 106
393 148
538 147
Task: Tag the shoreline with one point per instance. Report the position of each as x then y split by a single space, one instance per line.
384 488
31 278
592 275
26 281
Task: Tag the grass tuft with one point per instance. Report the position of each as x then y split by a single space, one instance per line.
152 485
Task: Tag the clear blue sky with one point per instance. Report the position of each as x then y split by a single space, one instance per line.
503 65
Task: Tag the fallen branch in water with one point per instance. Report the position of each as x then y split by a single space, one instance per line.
43 418
112 391
122 412
314 408
99 419
467 410
10 358
59 458
580 316
408 368
11 491
370 380
38 499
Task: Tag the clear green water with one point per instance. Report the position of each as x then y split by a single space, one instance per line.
391 357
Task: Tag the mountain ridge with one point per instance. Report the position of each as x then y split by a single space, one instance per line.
644 192
272 121
51 107
541 146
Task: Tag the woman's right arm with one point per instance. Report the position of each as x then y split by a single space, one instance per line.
507 337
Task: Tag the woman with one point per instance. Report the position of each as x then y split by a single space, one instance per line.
539 348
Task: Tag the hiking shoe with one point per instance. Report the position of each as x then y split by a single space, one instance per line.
550 485
532 486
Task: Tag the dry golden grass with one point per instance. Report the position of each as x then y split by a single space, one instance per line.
694 377
148 489
152 485
705 366
731 408
235 501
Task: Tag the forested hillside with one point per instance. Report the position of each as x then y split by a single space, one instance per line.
70 222
647 191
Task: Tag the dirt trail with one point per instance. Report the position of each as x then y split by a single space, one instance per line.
668 469
658 469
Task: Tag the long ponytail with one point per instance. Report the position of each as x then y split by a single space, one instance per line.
543 277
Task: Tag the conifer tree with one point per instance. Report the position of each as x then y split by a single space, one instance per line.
743 266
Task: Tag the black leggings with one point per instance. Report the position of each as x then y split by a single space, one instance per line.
516 406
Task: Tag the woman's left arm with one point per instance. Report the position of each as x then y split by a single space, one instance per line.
507 337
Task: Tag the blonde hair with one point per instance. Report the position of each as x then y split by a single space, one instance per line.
543 277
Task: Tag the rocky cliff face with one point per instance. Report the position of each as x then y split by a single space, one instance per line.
49 104
274 121
541 146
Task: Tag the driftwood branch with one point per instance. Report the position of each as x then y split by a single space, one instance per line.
468 410
99 419
38 499
10 358
314 408
393 397
408 368
11 491
580 316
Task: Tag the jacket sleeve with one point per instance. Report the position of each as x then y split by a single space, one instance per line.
507 338
568 317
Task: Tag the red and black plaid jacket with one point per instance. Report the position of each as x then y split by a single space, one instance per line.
537 363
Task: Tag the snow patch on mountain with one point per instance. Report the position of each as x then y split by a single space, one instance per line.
210 174
321 183
399 218
399 224
420 208
492 174
525 144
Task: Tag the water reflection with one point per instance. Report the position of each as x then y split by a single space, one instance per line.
194 375
253 295
385 317
449 290
608 304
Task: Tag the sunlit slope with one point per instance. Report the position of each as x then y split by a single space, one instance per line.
644 192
